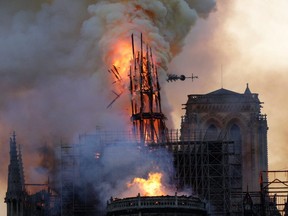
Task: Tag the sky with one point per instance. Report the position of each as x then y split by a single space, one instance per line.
240 42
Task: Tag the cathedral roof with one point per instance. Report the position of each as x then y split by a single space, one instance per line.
224 96
223 91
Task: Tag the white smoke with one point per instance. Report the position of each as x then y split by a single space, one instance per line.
54 55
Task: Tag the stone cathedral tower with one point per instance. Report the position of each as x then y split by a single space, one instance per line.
15 195
229 116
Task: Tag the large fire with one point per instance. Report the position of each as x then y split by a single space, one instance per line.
149 187
121 57
134 71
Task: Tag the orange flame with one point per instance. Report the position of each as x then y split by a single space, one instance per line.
149 187
120 57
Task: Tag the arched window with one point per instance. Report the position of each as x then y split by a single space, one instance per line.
235 136
211 133
234 133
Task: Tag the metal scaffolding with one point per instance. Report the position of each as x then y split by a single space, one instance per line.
77 197
212 169
274 192
67 179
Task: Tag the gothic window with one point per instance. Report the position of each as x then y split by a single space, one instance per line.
235 135
211 133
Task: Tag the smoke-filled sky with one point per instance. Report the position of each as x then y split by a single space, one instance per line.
54 83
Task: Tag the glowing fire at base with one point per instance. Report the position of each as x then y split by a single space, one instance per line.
149 187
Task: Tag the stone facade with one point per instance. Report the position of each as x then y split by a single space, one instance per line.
229 116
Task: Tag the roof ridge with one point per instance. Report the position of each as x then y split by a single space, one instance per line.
222 91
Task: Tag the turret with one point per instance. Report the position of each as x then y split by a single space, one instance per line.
15 194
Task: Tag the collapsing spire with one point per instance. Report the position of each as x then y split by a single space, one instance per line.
147 117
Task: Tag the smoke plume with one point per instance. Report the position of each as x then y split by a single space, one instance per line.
54 55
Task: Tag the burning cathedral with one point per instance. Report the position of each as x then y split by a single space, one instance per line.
211 166
215 164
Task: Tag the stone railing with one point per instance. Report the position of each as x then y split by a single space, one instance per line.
156 202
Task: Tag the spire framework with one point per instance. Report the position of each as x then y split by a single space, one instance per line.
147 117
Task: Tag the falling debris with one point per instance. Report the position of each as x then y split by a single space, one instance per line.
116 73
117 96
